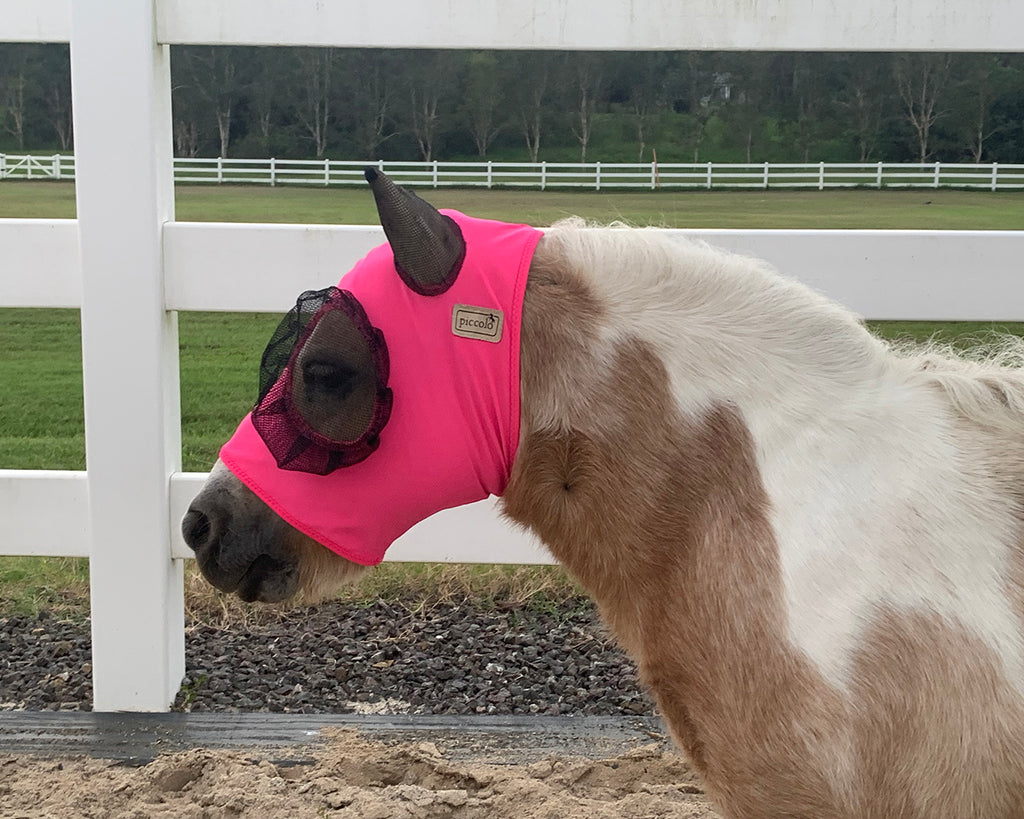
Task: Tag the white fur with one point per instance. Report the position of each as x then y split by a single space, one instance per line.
878 491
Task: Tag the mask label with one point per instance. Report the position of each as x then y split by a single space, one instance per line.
480 323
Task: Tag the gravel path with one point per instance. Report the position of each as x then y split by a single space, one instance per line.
464 658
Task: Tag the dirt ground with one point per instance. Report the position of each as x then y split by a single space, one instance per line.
352 777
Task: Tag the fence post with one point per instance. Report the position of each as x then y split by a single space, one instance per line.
273 172
821 176
327 172
543 175
220 170
490 174
935 183
765 176
3 165
654 175
995 184
435 173
121 83
879 182
597 176
56 166
709 176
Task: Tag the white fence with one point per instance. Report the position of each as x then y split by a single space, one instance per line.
544 175
131 266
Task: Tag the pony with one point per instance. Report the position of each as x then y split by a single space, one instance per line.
809 541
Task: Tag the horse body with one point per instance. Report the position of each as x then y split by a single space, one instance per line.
810 549
810 544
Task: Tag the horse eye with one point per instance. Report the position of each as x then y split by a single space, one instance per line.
328 379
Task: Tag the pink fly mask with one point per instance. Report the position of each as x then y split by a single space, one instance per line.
396 394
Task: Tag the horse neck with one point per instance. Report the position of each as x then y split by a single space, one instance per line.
728 330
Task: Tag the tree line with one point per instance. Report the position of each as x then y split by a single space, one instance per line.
555 106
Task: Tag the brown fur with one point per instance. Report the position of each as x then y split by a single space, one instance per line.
664 520
944 733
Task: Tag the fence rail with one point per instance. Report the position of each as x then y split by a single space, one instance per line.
543 175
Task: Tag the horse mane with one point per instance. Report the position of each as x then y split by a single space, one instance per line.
983 382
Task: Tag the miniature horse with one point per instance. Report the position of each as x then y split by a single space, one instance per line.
812 545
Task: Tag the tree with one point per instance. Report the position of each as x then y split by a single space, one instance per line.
647 77
313 109
530 75
863 96
585 70
921 80
55 83
15 72
370 79
430 78
480 97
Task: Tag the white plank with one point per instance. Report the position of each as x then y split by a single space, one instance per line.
898 274
766 25
44 512
923 275
257 268
40 264
36 21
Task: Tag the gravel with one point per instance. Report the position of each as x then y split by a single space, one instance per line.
384 657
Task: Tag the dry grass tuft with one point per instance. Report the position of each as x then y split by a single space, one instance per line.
415 586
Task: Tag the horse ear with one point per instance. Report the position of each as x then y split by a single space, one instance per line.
428 246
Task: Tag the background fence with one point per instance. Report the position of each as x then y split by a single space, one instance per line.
544 175
130 266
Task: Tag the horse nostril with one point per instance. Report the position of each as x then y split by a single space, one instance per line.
196 529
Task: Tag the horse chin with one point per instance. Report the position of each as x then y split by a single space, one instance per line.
268 580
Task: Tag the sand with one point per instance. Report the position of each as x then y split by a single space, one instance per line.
352 777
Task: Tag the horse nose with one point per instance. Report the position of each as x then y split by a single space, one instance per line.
197 529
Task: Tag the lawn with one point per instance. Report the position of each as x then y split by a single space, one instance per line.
41 416
843 209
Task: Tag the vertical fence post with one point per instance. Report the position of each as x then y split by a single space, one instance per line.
327 172
435 173
935 182
121 84
597 176
995 183
821 176
543 175
878 183
273 172
3 165
56 167
220 170
765 182
490 174
709 176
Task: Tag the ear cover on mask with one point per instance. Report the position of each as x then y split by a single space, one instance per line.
323 396
428 245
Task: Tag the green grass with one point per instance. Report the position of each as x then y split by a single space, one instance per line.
847 209
41 416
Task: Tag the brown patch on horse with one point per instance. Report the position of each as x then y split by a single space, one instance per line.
943 735
664 520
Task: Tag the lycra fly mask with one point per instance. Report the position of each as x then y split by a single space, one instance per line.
396 394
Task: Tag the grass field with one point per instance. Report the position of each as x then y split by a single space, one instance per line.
41 416
843 209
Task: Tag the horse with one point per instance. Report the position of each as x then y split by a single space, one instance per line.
808 539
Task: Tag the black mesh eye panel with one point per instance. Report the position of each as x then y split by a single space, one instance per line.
323 385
